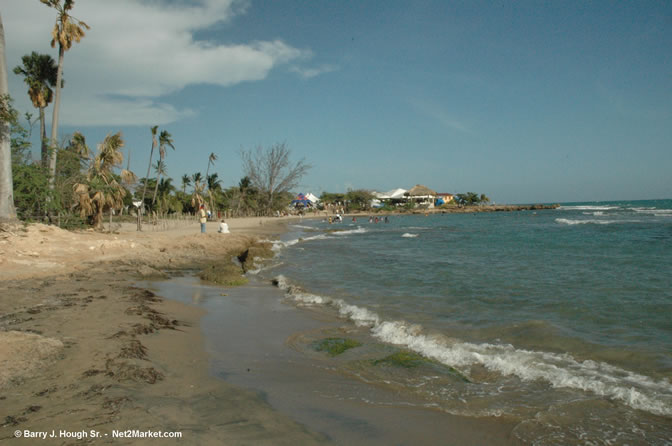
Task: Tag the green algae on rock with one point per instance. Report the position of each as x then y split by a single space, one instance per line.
408 359
335 346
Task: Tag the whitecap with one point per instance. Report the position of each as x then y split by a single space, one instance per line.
588 208
359 230
409 235
568 221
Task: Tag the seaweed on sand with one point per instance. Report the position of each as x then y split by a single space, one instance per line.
335 346
408 360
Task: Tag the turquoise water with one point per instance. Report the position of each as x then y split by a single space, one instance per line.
560 319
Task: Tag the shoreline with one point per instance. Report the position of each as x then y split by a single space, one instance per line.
84 349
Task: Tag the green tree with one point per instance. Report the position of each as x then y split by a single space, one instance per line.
359 199
67 30
186 181
39 72
101 189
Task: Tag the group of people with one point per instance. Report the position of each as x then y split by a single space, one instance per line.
203 217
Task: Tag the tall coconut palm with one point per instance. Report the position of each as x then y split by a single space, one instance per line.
39 72
165 139
7 210
67 30
186 181
149 166
160 169
211 160
101 190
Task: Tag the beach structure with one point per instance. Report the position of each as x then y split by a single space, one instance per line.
392 197
421 196
303 201
443 198
312 198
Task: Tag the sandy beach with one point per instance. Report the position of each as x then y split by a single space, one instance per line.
85 353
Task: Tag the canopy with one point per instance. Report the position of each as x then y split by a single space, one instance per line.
301 200
312 198
392 194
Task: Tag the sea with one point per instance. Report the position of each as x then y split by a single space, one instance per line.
557 320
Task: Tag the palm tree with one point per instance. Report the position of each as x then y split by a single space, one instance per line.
101 190
7 210
186 181
160 169
243 186
197 194
165 188
165 139
67 30
197 178
151 154
211 160
39 73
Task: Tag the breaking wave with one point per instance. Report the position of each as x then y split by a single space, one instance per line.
558 370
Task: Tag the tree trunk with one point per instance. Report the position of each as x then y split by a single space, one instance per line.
149 167
156 188
54 122
7 210
43 139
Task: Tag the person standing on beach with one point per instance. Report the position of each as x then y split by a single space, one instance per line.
202 218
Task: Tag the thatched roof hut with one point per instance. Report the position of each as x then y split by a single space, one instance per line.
420 191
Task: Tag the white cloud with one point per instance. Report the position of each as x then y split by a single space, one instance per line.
141 51
308 73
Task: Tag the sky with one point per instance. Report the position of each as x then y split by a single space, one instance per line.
525 101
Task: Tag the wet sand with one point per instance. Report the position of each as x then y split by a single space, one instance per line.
254 338
85 352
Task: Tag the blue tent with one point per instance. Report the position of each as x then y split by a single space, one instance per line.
301 200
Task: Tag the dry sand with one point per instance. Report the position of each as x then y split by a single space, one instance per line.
84 350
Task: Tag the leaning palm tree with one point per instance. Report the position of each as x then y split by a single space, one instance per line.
101 190
67 30
39 72
160 169
186 181
211 160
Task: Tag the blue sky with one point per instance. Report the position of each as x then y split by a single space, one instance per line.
526 101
